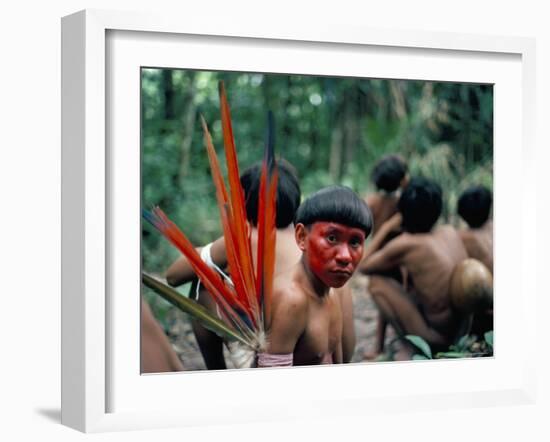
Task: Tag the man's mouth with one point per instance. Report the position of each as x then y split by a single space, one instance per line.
342 272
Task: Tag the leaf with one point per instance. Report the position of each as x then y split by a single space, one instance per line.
420 358
194 309
452 354
421 344
488 336
462 343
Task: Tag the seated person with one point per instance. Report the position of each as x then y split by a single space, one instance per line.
429 256
306 322
474 207
390 176
286 255
157 355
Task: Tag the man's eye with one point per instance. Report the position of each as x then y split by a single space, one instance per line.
355 243
331 238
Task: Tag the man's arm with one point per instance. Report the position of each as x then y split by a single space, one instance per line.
390 256
390 226
181 271
288 321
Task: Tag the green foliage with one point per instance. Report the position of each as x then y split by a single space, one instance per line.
332 130
421 345
488 336
193 308
467 346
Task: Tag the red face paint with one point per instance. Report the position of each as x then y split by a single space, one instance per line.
333 251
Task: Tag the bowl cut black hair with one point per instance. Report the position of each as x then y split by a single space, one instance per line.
335 204
388 173
474 205
420 205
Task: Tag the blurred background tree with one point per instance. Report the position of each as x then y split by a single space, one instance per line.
332 129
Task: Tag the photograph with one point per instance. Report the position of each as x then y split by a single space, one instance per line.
298 220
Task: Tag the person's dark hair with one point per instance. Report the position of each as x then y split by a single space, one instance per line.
420 205
288 192
388 172
335 204
474 205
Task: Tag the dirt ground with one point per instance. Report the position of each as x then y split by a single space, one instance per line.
365 316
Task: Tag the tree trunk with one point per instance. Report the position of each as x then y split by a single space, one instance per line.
168 89
335 161
188 122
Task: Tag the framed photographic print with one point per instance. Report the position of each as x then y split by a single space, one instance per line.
457 108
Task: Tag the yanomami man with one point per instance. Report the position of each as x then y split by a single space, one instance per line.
305 325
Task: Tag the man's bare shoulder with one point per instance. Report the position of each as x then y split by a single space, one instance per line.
287 291
372 198
446 230
403 241
466 235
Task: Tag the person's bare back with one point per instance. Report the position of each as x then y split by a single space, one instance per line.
430 260
479 243
474 207
286 252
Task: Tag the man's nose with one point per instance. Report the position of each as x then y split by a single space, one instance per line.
344 255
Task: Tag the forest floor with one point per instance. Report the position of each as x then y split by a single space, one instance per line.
365 318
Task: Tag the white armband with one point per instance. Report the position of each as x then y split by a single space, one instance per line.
205 256
271 360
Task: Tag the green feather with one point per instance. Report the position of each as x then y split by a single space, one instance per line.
194 309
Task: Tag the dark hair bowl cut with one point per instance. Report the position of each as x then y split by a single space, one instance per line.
420 205
388 172
474 205
337 204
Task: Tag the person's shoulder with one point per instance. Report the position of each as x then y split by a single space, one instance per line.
287 290
446 229
451 235
373 200
403 239
465 234
290 295
289 303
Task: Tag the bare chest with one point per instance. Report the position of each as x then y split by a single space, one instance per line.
322 335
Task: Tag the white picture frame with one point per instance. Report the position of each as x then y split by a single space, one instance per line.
89 172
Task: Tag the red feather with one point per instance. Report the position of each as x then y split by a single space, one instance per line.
249 295
240 238
267 229
228 225
211 280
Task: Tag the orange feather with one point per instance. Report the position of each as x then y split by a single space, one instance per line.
238 210
211 280
229 228
267 229
250 292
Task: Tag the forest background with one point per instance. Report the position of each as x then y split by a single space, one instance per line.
333 130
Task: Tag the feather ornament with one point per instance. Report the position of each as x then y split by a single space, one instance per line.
244 303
